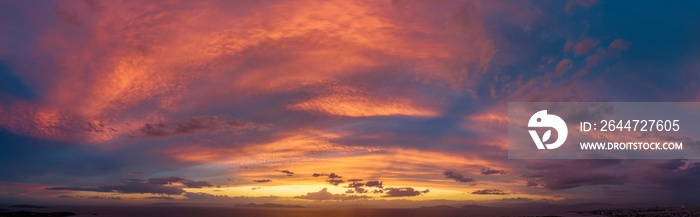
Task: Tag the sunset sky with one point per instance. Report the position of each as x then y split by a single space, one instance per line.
328 103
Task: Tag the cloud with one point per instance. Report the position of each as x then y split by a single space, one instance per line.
489 171
354 104
335 182
128 188
376 184
355 184
173 179
585 46
286 172
333 179
325 195
563 66
604 53
193 126
403 192
574 173
262 180
361 190
255 188
152 186
457 177
672 177
620 44
490 191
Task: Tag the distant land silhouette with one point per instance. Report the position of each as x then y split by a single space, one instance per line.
26 206
37 214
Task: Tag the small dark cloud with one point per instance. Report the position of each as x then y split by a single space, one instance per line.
358 185
334 179
403 192
457 177
65 196
289 173
376 184
255 188
334 176
190 126
335 182
531 183
355 184
330 176
137 173
262 180
378 191
489 171
361 190
490 191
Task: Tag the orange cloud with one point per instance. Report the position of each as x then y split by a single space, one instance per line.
355 103
116 64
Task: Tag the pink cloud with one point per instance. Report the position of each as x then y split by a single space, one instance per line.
604 53
563 66
585 46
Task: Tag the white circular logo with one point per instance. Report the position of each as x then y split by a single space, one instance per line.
542 119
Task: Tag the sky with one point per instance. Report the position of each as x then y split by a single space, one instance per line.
328 103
